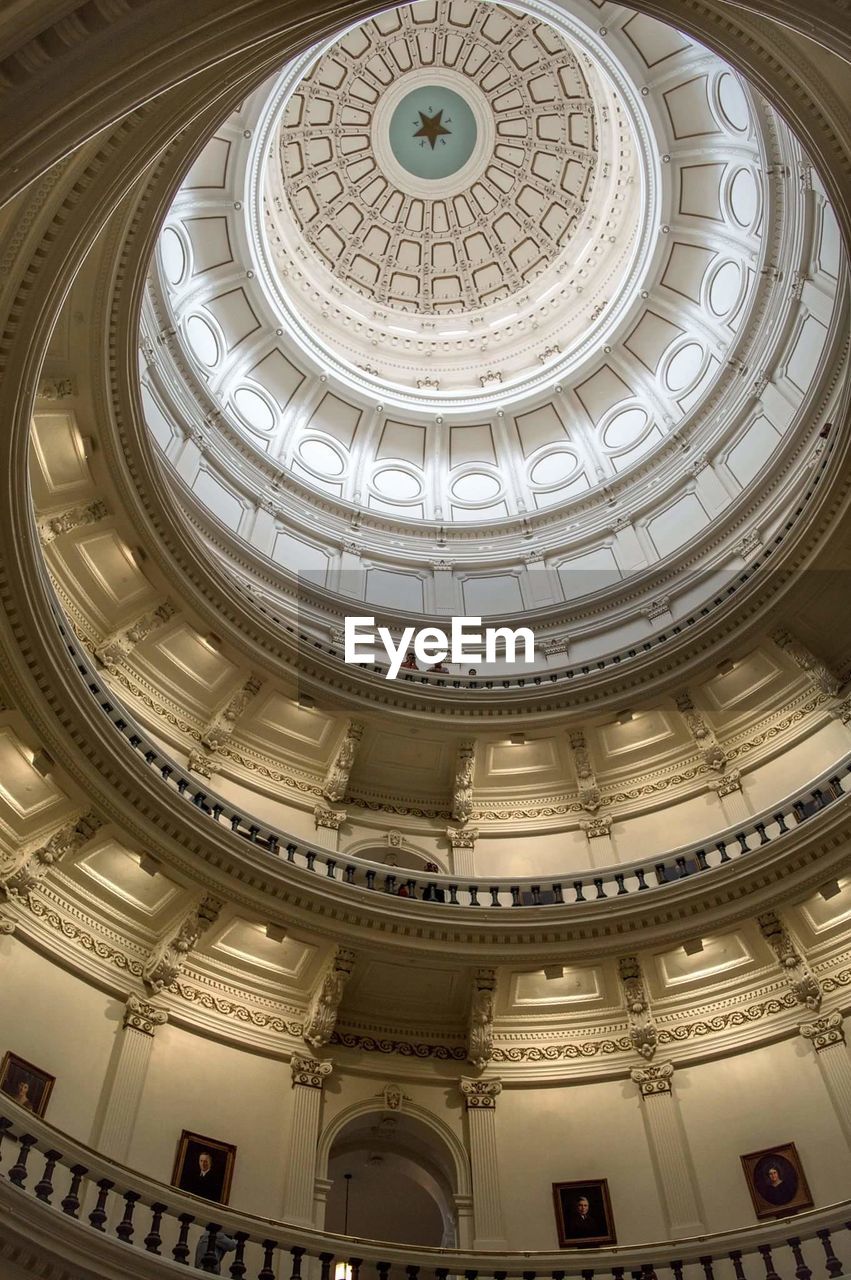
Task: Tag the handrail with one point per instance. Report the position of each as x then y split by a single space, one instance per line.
673 867
177 1221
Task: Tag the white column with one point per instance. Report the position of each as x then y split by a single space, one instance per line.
601 845
127 1078
480 1097
670 1152
463 844
309 1076
827 1036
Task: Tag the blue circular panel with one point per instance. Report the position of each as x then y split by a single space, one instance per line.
432 132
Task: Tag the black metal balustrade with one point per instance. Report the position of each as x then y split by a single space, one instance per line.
613 882
38 1164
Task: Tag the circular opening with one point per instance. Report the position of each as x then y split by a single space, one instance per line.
743 198
393 483
724 288
253 409
553 468
476 487
684 367
202 340
733 103
625 429
172 256
320 457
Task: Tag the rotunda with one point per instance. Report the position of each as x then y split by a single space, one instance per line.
531 963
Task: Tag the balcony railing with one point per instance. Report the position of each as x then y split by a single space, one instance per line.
155 1223
598 885
679 864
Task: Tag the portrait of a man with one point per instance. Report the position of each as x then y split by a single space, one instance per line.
28 1086
204 1167
776 1181
583 1214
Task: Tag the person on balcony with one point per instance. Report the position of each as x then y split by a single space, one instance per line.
222 1244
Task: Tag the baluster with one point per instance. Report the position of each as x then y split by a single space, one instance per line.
18 1171
834 1266
310 858
661 873
648 1270
781 823
297 1253
124 1230
330 868
706 1263
700 855
802 1271
412 1272
598 885
180 1252
558 894
472 1275
639 875
736 1259
326 1259
383 1269
577 889
453 899
210 1260
495 902
153 1239
722 849
71 1203
743 841
516 901
238 1267
682 868
97 1217
349 875
474 895
497 1275
44 1189
619 881
617 1273
355 1265
291 852
441 1273
4 1125
267 1272
677 1269
370 879
770 1273
764 837
586 1275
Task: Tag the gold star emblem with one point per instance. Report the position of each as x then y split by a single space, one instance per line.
431 128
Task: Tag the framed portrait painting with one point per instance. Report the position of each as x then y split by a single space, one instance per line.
583 1214
25 1084
204 1167
776 1181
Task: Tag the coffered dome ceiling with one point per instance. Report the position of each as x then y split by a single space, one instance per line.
575 358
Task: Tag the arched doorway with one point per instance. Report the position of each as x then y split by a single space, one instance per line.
404 1184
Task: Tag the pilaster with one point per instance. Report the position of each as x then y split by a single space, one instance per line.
669 1148
125 1084
308 1076
827 1036
488 1223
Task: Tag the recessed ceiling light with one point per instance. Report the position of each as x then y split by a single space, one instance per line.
625 717
693 947
553 971
830 890
517 739
275 932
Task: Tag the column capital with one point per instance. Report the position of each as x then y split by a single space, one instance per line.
323 816
654 1079
824 1031
7 926
480 1095
140 1015
309 1072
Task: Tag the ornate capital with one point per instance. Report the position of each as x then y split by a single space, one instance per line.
595 828
141 1015
480 1095
309 1072
325 817
824 1031
462 839
654 1079
7 926
726 786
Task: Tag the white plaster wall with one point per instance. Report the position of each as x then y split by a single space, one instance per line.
754 1100
60 1024
221 1092
569 1132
